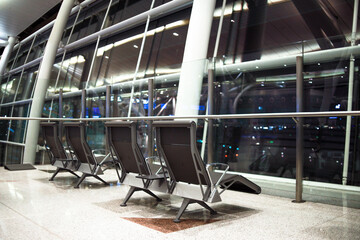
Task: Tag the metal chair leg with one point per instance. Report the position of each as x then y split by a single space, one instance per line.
212 211
188 201
73 173
128 196
184 205
100 179
152 194
55 173
81 180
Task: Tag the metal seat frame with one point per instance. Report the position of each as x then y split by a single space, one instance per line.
88 163
188 175
135 169
56 151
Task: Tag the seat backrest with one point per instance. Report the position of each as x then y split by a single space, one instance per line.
76 138
50 134
176 141
122 140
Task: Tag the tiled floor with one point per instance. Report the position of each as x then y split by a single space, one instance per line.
31 207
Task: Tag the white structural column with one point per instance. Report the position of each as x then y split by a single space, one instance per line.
195 53
350 96
43 79
6 54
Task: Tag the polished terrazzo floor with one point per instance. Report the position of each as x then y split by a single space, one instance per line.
31 207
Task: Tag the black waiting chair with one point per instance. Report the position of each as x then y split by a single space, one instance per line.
57 154
88 164
135 170
176 144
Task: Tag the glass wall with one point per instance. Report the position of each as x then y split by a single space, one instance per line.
268 29
268 146
253 38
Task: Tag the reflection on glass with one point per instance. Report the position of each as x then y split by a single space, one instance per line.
17 128
39 45
11 88
256 31
88 22
95 108
68 75
122 10
3 85
4 124
268 146
14 154
72 107
26 85
2 153
116 61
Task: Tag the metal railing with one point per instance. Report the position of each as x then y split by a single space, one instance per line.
294 115
205 117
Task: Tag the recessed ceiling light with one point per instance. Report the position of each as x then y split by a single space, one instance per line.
175 34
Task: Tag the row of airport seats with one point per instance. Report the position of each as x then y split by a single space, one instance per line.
77 155
180 171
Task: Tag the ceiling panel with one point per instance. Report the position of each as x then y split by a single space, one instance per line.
17 15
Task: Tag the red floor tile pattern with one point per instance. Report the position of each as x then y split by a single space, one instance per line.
166 225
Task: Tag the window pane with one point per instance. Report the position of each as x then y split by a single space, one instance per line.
11 88
4 124
14 154
39 45
17 128
268 29
26 85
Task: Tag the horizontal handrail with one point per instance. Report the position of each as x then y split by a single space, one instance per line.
13 143
222 116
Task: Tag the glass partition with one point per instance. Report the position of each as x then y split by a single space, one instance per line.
267 29
14 154
26 84
95 131
4 124
17 127
2 152
39 45
88 22
11 88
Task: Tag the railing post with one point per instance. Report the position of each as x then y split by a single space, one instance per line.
210 140
150 114
299 129
350 96
60 112
83 104
108 101
107 112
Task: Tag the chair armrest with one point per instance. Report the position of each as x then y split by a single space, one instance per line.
222 176
105 159
153 157
67 160
99 150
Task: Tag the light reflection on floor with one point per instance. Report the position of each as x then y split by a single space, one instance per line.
31 207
